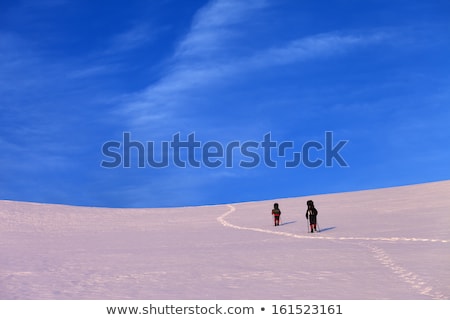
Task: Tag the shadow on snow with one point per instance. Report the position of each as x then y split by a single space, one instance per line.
289 222
327 229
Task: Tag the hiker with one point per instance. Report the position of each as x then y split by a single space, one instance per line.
276 212
311 214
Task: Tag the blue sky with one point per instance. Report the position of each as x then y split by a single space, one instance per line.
77 74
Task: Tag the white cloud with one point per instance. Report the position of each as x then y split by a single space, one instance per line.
312 47
92 71
214 25
206 57
193 64
137 36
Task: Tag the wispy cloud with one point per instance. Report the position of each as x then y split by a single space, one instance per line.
195 61
93 71
114 55
206 56
137 36
214 26
311 47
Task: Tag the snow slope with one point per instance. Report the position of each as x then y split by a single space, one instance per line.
389 243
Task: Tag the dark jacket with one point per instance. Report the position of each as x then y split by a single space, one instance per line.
311 214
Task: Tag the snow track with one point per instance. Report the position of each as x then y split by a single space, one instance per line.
409 277
412 279
225 223
379 244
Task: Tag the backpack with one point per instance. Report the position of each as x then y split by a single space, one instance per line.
276 212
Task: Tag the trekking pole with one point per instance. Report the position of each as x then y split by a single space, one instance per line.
307 225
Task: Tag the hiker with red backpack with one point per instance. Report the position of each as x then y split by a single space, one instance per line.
276 213
311 214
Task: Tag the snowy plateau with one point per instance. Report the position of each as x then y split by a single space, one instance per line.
391 243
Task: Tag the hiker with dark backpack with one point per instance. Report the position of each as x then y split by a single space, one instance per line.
276 213
311 214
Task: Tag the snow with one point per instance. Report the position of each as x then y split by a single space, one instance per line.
391 243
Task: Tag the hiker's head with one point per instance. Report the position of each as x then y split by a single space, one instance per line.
275 205
310 203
